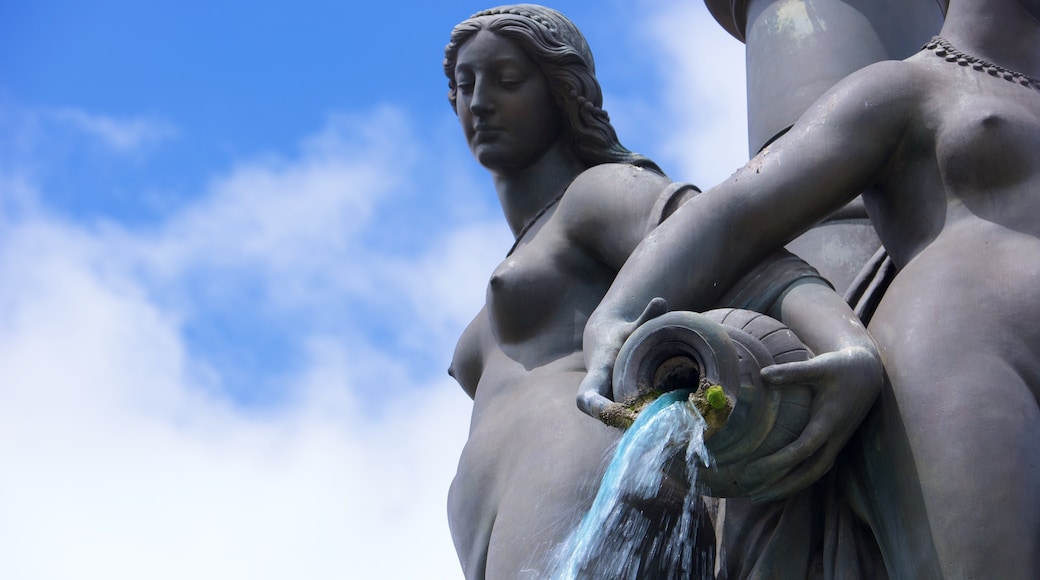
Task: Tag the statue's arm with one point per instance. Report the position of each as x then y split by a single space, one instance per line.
839 148
846 375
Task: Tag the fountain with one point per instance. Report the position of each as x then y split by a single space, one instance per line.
727 348
701 412
612 539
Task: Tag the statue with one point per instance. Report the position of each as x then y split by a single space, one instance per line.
944 146
521 79
796 51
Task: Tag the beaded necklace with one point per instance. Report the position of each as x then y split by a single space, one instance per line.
529 223
942 48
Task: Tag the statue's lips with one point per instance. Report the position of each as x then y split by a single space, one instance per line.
485 133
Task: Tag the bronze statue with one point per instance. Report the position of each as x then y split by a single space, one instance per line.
945 145
521 79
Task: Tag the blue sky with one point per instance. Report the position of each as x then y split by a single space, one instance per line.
237 244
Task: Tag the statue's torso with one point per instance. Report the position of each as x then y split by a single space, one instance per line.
967 169
533 461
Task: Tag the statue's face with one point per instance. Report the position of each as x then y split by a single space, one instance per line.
504 104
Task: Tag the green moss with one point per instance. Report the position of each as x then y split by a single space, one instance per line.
711 402
618 415
716 397
709 399
622 415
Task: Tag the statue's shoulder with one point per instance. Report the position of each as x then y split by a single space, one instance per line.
878 99
611 207
614 186
886 80
620 176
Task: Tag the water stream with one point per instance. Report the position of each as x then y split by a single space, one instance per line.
632 530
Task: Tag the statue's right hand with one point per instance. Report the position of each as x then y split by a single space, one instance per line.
604 336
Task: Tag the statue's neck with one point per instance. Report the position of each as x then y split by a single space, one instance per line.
525 192
1002 32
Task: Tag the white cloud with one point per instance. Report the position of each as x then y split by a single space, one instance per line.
299 214
119 135
120 457
704 92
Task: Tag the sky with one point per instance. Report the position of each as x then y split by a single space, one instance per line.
238 242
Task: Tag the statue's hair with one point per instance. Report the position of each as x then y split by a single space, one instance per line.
560 51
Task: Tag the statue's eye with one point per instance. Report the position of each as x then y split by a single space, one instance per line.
464 86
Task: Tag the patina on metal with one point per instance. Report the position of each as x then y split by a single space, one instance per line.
941 476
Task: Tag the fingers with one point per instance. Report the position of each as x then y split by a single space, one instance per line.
607 411
654 308
850 362
785 459
795 480
813 438
810 371
592 392
593 403
794 467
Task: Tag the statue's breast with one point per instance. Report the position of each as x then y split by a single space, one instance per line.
540 296
988 143
526 292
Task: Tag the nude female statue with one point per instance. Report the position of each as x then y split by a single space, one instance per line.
946 148
521 80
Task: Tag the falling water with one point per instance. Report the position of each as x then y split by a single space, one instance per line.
622 536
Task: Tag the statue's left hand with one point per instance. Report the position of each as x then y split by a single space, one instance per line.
845 384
